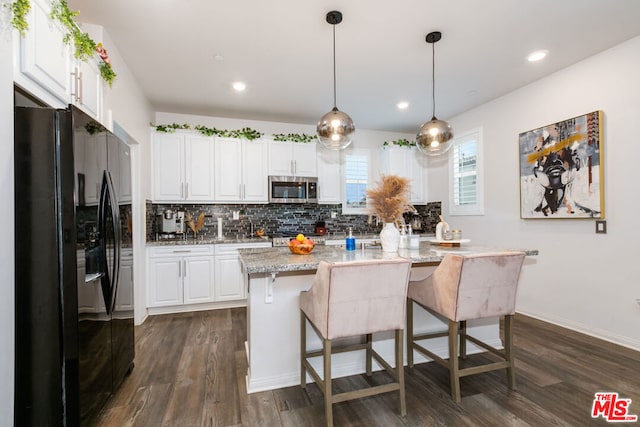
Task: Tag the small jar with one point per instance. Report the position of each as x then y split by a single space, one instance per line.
456 234
447 235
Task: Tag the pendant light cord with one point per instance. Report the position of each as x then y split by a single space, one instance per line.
433 79
334 67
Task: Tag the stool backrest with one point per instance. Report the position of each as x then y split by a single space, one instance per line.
361 296
477 286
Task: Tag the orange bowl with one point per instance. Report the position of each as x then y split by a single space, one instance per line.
301 249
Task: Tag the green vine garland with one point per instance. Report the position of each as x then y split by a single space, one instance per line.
402 142
19 10
83 44
295 137
246 133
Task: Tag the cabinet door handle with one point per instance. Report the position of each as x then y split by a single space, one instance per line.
185 268
181 251
74 94
180 269
295 167
186 191
244 191
97 191
182 190
80 87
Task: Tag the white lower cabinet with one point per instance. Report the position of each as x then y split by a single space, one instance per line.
196 277
180 275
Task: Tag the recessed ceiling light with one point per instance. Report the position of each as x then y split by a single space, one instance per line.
403 105
537 55
218 57
239 86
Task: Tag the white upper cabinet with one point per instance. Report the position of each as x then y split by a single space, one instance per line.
182 167
45 66
240 171
407 162
292 159
86 87
329 176
44 61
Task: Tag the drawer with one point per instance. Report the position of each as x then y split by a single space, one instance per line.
181 250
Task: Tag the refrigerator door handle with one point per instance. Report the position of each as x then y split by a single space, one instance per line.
109 281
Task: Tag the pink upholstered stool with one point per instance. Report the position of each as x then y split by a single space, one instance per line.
350 299
465 288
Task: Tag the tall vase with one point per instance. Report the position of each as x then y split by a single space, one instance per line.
389 237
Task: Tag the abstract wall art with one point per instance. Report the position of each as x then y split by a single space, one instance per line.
561 169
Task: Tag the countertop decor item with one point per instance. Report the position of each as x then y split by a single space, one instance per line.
299 248
388 201
335 129
195 226
435 136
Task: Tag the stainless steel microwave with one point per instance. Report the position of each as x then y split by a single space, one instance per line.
293 189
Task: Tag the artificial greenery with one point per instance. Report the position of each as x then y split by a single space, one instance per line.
83 44
19 10
107 73
295 137
171 128
246 133
94 127
402 142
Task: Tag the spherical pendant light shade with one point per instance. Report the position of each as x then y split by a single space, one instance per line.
335 130
435 137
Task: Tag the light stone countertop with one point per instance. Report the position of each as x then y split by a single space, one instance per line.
280 259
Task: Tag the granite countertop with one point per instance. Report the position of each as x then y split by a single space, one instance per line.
209 241
269 260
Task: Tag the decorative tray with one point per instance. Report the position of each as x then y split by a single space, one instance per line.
449 243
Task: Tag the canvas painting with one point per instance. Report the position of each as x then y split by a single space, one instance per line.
561 169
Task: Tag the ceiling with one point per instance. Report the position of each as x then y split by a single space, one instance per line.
282 50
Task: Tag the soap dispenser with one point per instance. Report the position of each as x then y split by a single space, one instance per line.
350 241
403 238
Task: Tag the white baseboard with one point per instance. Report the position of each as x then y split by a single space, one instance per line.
621 340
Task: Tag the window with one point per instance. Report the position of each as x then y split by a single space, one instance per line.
465 174
356 179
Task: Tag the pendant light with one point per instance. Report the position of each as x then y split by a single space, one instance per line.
335 129
435 136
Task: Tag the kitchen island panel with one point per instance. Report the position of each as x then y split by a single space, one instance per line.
273 334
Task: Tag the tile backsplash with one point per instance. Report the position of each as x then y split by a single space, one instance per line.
279 218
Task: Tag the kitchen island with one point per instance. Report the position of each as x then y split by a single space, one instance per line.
274 279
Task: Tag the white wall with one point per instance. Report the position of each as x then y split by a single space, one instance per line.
581 280
7 271
130 109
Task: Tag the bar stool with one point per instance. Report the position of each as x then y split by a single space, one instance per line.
352 299
465 288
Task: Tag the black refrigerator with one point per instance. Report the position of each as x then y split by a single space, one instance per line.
74 267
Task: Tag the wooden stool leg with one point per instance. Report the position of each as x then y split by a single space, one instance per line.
400 372
508 350
303 349
453 361
328 398
369 356
463 339
409 332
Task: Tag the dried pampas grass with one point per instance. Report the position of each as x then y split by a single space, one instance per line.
390 199
197 225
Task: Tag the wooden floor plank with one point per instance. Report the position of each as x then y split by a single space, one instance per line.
190 370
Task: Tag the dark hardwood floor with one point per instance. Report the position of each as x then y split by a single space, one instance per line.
190 371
